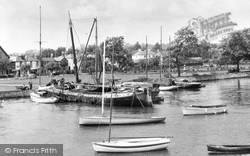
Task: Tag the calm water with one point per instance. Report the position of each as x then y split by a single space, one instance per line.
22 121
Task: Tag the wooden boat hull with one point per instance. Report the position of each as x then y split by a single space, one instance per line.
119 99
191 110
132 145
92 121
229 148
168 88
39 99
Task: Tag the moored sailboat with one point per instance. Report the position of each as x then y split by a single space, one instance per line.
139 144
132 144
127 97
102 120
35 95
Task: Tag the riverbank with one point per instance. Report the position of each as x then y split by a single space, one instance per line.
14 94
216 76
8 89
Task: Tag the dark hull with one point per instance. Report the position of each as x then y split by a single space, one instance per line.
119 99
189 85
229 148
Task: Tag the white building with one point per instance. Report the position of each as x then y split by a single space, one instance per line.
141 55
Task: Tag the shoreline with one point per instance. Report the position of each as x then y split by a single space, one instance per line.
11 92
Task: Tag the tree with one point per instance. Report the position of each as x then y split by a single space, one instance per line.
236 47
184 45
4 66
121 55
136 46
31 52
64 64
154 62
48 52
156 47
60 51
52 66
25 68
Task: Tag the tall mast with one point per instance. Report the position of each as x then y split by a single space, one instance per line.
96 52
161 54
111 101
146 58
169 58
103 76
40 49
86 46
73 47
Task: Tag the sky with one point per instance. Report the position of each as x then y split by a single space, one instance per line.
133 19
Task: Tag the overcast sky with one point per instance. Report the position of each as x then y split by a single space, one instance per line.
133 19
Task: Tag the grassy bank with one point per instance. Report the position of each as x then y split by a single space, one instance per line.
9 84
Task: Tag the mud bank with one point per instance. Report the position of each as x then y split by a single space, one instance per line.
15 94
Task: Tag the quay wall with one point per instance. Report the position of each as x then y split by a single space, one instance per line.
14 94
215 76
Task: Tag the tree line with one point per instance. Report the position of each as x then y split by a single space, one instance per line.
230 50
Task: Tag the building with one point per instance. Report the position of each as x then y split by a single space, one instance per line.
62 61
141 55
4 57
18 61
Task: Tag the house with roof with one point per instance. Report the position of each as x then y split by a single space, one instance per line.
71 64
141 55
61 60
4 57
18 61
46 60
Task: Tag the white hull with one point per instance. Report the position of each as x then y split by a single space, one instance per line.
132 145
203 111
39 99
168 88
118 121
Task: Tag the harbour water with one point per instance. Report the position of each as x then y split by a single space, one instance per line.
24 122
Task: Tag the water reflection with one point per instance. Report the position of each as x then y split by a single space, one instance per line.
22 121
150 153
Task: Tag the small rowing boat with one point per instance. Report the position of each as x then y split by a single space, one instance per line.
229 148
168 88
35 97
186 84
204 109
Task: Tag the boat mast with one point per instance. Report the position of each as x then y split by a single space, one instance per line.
111 98
86 46
40 51
169 58
146 58
161 55
96 52
73 47
103 76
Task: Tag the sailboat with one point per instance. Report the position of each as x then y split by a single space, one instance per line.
92 93
131 144
40 96
104 120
